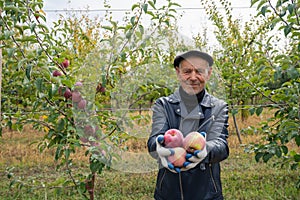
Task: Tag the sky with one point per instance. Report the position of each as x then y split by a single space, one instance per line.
192 22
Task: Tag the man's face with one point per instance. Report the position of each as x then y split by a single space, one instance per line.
193 73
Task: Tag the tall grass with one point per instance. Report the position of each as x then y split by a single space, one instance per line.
36 177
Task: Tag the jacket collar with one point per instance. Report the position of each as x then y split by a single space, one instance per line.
207 99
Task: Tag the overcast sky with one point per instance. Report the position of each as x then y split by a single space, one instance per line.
192 22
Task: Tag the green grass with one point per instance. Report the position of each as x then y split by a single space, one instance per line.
242 177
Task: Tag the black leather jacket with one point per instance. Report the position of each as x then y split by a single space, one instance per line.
203 181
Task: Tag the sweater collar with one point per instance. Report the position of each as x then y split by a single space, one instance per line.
207 100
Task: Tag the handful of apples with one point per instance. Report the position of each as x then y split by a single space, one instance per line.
173 138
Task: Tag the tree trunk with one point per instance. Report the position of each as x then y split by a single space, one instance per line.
90 186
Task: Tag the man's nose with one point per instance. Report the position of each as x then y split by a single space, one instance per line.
193 75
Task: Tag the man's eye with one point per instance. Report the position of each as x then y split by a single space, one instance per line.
200 71
187 71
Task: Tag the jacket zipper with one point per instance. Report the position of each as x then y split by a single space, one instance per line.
180 185
162 178
212 178
207 121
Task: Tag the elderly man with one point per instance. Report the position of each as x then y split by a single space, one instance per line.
190 108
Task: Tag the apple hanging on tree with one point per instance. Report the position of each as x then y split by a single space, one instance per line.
56 73
76 96
65 63
67 93
82 104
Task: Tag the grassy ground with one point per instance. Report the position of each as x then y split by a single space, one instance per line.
37 178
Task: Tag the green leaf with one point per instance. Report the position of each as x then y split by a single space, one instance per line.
253 2
141 29
263 10
282 14
10 52
28 71
234 111
297 158
96 166
284 149
297 139
58 153
39 84
107 28
10 175
278 152
12 183
129 34
60 125
132 20
279 3
260 69
294 167
145 7
7 34
261 3
152 14
12 8
252 110
259 111
173 4
67 153
275 22
33 5
287 29
32 27
291 8
152 4
267 157
50 92
135 6
258 156
44 27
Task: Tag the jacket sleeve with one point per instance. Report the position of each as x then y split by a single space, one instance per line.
217 134
159 126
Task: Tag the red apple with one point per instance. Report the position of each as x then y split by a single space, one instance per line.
89 130
78 84
173 138
56 73
68 93
65 63
84 140
36 14
102 89
178 158
81 104
194 141
76 96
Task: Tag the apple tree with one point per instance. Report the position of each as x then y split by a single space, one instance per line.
281 72
234 57
259 63
60 79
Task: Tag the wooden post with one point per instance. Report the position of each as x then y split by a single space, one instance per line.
237 129
236 125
